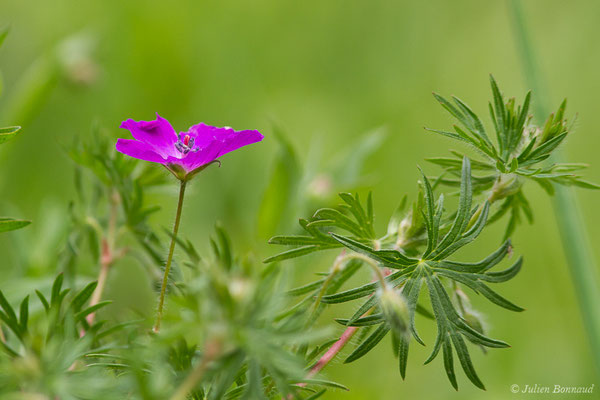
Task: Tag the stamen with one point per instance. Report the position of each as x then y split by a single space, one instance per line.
185 144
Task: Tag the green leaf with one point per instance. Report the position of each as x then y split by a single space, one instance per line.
316 395
10 224
254 387
507 274
8 133
293 253
368 344
403 355
544 149
82 297
328 218
483 265
322 382
428 214
411 291
84 313
55 292
10 312
393 279
465 360
464 208
474 123
9 317
340 220
365 221
497 299
295 240
526 151
468 236
369 320
227 375
24 314
225 246
449 363
498 114
397 262
299 291
363 309
43 300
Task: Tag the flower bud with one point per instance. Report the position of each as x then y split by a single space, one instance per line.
412 225
395 310
507 185
473 321
240 289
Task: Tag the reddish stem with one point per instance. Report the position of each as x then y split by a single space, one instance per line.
337 346
333 351
106 260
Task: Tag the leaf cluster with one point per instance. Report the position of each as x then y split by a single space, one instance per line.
51 342
407 273
521 151
235 306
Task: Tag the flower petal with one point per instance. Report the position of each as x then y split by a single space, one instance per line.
213 142
139 150
241 139
202 156
157 134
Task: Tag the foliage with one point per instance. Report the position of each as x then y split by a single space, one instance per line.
418 247
233 329
409 273
44 351
518 154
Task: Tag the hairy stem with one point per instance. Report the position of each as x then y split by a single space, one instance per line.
105 263
351 330
333 350
163 289
575 242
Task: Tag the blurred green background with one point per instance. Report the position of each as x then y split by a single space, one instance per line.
325 72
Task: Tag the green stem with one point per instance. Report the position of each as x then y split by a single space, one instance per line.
575 242
163 289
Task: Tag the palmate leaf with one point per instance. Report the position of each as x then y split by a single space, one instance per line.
411 273
350 217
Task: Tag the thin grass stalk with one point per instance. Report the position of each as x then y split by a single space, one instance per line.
575 241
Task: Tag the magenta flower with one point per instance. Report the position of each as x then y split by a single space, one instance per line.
187 153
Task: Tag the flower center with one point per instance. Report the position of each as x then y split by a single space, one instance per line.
185 144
